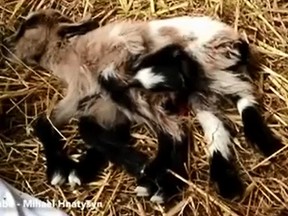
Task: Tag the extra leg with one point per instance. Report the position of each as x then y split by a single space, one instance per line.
255 129
157 181
167 69
239 88
113 143
222 171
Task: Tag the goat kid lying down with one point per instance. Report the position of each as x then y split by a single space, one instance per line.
96 95
117 74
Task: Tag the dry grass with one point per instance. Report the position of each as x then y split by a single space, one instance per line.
25 92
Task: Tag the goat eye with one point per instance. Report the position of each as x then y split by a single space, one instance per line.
34 21
37 58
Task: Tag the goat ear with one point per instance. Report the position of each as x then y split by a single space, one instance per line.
16 35
70 30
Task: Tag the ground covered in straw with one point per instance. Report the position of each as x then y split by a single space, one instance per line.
25 92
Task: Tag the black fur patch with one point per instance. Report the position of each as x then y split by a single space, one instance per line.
87 102
50 138
179 105
118 135
257 132
90 164
225 176
183 74
171 62
72 30
170 155
118 91
56 159
58 162
114 143
244 57
244 50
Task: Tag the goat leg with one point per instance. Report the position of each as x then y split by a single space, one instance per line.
58 163
113 143
158 182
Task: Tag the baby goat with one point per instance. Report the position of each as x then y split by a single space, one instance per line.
98 68
126 72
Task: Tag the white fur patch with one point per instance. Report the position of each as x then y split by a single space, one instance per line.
243 103
217 136
141 191
148 78
115 31
109 71
57 179
73 179
157 199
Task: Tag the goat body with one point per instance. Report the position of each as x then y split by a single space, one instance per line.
126 72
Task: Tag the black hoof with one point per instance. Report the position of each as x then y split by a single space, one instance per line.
225 177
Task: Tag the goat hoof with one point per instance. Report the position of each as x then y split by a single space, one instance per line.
271 147
58 170
141 191
146 187
58 179
225 176
157 198
231 191
73 179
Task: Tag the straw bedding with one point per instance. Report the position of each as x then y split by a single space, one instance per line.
26 92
